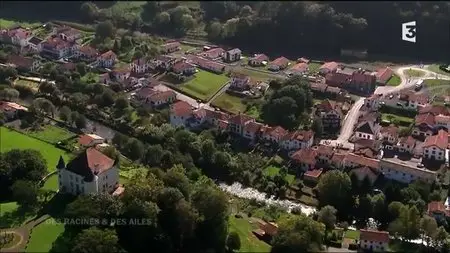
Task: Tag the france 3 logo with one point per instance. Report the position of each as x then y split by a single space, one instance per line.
409 31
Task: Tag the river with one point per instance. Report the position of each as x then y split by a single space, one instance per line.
238 190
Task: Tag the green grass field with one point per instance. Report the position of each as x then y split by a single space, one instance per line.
435 68
8 207
414 73
314 67
204 85
90 77
437 87
249 242
396 119
6 23
254 74
394 80
11 140
51 183
352 234
31 84
52 134
230 103
272 171
43 236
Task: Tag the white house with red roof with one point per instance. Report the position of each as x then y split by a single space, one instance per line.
328 67
232 55
442 121
180 113
58 48
406 144
297 140
237 123
373 240
86 53
107 59
435 147
11 110
274 134
90 140
213 53
90 172
161 98
383 75
298 69
239 81
312 175
68 33
140 66
183 68
23 63
258 60
252 129
305 158
278 64
17 36
331 114
424 124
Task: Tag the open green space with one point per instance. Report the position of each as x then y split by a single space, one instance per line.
435 68
14 140
52 134
414 73
51 183
43 236
394 80
396 119
249 242
7 23
254 112
314 67
8 207
90 77
272 171
437 87
255 74
204 85
352 234
229 103
31 84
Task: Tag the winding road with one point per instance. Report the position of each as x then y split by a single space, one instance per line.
352 115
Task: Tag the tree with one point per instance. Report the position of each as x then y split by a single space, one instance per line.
42 106
214 30
138 54
89 11
441 237
116 47
80 121
134 149
246 11
106 98
176 177
120 140
9 94
298 233
317 127
163 18
428 228
81 68
104 30
281 111
65 113
327 215
233 241
121 103
96 240
25 193
334 189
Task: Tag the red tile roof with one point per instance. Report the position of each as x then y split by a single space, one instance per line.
306 156
363 172
364 77
260 58
442 118
302 67
108 55
302 59
89 163
435 110
330 66
436 207
10 106
299 135
20 61
391 130
324 150
56 43
374 236
240 119
440 140
181 108
364 161
313 173
216 115
427 119
384 74
89 51
276 132
252 127
213 53
181 66
206 63
86 139
410 141
19 32
280 61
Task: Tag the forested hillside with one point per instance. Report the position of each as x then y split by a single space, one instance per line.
289 28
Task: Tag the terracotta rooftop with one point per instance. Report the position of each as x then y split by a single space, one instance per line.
374 236
276 132
440 140
363 172
90 163
162 96
87 139
10 106
363 161
108 55
437 207
88 50
280 61
330 65
384 74
300 67
181 108
313 173
240 119
306 156
260 58
409 140
435 110
253 127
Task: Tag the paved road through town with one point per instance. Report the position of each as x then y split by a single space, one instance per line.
352 116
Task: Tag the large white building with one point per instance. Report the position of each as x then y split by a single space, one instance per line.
89 172
435 147
374 240
405 172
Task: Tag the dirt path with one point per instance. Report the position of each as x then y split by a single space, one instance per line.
24 232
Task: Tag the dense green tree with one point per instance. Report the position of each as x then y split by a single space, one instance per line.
233 241
9 94
89 11
134 149
428 228
317 127
96 240
334 189
80 121
104 30
25 193
64 113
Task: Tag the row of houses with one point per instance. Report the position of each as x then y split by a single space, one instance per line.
183 114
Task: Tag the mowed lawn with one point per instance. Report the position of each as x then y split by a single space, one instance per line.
204 85
14 140
229 103
249 242
272 171
6 23
51 183
437 87
8 207
394 80
52 134
414 73
43 236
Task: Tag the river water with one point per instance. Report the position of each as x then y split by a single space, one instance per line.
238 190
